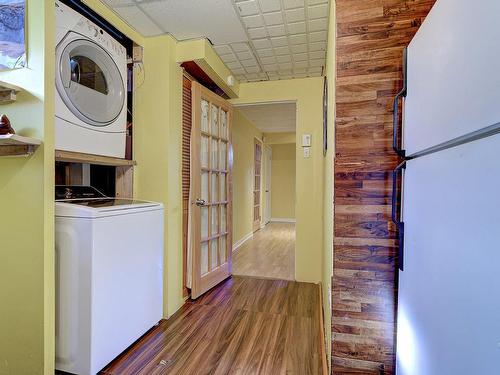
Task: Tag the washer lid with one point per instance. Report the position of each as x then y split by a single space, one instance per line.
102 207
89 81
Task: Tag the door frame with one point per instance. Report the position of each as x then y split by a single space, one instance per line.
268 177
256 226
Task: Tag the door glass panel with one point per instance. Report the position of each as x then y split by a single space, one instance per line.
223 124
222 179
214 254
204 222
223 218
215 191
204 186
223 156
215 121
204 116
204 258
215 150
222 249
204 152
215 221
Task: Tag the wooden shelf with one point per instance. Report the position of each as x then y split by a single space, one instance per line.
78 157
8 92
17 145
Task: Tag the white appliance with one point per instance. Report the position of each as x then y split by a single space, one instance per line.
449 287
91 87
109 276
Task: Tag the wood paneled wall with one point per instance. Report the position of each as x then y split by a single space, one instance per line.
371 35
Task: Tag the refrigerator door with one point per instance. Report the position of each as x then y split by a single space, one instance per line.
453 77
449 291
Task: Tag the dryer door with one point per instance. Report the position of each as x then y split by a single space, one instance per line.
89 81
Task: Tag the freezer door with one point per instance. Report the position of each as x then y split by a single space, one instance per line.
453 75
449 291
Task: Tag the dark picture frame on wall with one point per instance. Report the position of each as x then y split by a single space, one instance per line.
325 116
12 34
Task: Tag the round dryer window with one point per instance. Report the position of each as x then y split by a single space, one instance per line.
89 82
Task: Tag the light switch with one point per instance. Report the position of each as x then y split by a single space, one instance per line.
306 140
307 152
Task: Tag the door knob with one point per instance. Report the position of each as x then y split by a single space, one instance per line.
200 202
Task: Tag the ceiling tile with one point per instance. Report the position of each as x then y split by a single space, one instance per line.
299 75
240 47
298 39
283 59
245 55
294 3
296 27
319 62
261 43
252 76
234 65
266 52
229 57
270 5
295 15
315 70
252 69
280 41
238 71
301 64
300 57
299 48
317 46
117 3
312 2
249 62
275 18
277 30
253 21
286 66
318 24
271 67
248 8
223 49
259 32
268 60
141 21
317 54
317 11
318 36
281 50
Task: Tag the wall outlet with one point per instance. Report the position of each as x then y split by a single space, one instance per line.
306 140
307 152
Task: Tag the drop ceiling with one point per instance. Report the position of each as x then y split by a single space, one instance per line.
257 39
271 118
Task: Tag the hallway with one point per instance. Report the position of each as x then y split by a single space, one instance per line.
243 326
270 253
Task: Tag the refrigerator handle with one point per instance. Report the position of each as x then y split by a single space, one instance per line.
396 213
395 113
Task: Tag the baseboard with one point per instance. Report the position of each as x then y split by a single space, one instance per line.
283 220
239 243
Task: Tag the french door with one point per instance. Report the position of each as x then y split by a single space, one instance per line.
211 190
257 184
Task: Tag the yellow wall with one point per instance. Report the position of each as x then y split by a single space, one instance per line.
279 138
283 181
27 201
244 133
307 93
328 184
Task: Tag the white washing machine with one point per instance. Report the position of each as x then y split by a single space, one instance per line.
109 276
91 87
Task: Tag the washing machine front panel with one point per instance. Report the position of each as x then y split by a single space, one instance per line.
89 82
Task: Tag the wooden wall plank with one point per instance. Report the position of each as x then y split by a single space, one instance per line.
371 35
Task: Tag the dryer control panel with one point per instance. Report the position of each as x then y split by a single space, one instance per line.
77 192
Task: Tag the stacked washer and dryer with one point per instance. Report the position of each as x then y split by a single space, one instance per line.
109 251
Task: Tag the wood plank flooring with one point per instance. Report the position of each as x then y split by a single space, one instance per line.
243 326
371 35
269 254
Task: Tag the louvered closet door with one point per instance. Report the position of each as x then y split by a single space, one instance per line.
211 198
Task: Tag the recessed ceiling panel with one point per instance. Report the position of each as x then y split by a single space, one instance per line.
271 118
187 19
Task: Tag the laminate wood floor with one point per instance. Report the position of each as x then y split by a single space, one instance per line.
242 326
270 253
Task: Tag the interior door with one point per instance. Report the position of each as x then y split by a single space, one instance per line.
211 190
267 167
257 185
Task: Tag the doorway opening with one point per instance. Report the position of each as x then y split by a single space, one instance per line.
264 179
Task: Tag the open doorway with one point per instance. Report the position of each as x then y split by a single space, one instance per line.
264 181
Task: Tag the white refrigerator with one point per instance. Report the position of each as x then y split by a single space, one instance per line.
449 285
